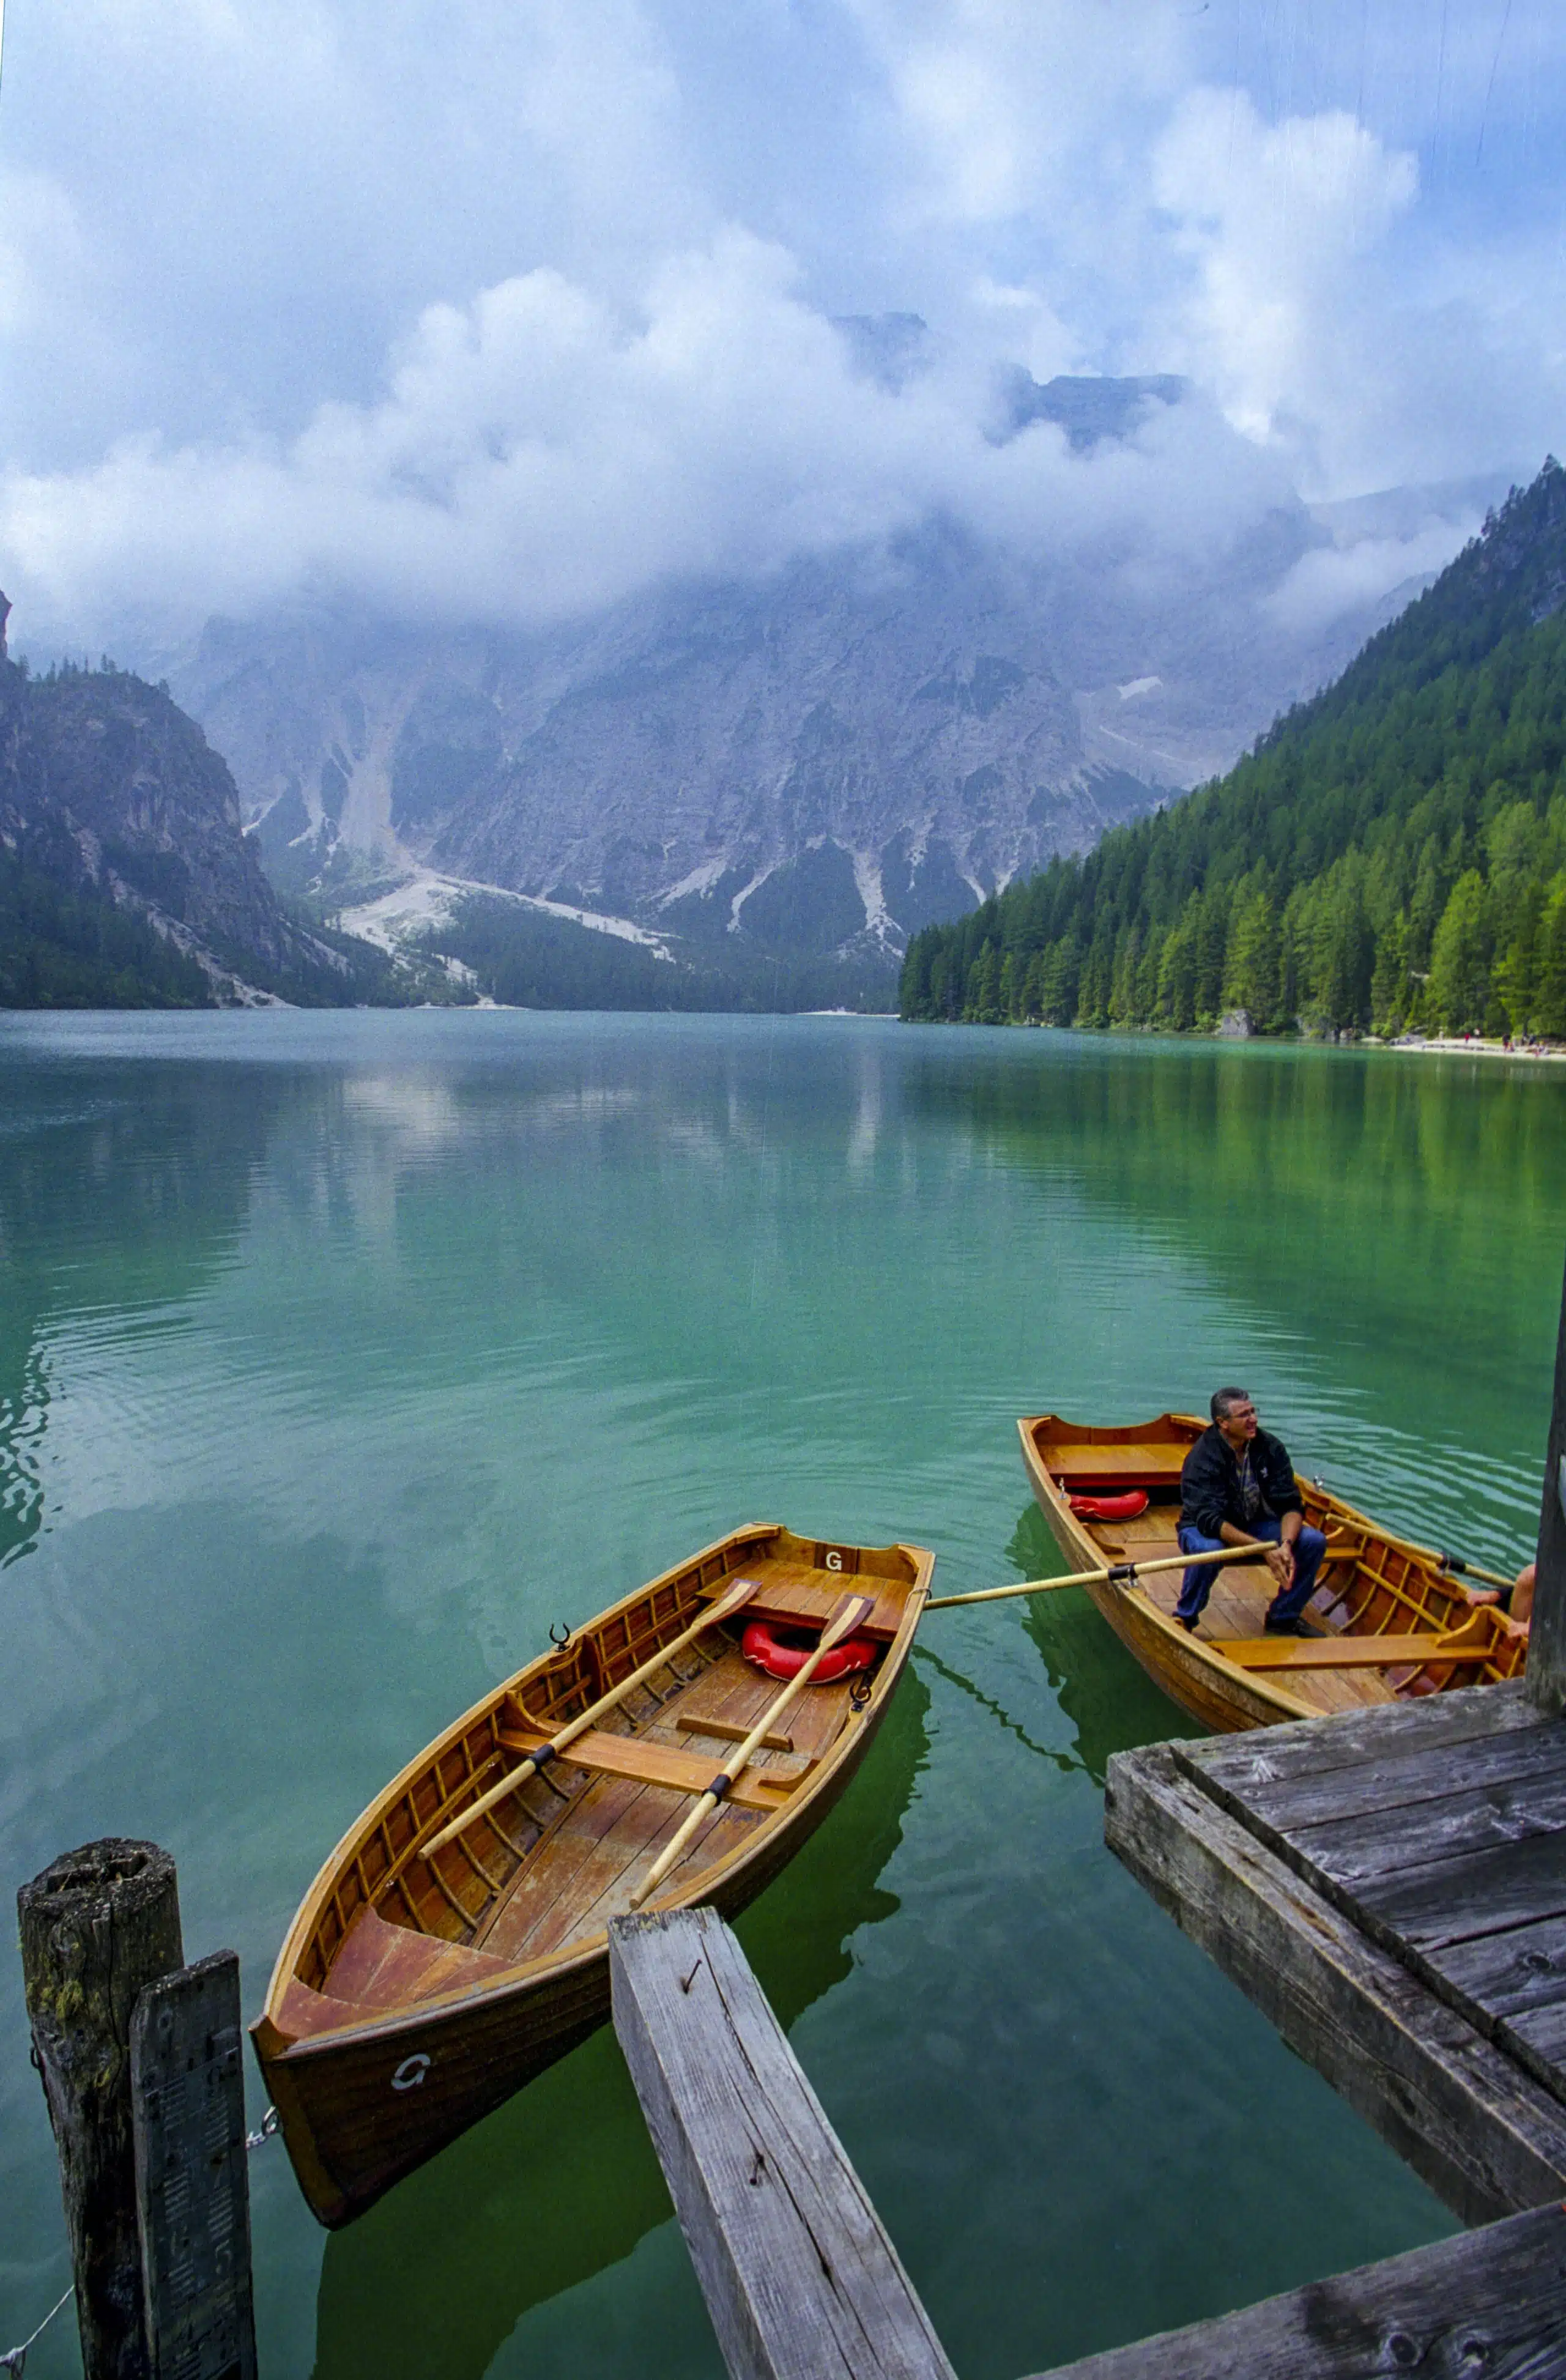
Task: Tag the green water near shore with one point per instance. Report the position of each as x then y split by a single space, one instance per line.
340 1355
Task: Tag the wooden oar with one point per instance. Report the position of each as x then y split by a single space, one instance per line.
724 1608
851 1613
1125 1573
1454 1564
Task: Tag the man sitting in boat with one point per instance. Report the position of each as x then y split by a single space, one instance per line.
1237 1488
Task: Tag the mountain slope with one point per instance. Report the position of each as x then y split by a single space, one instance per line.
125 872
820 762
1390 854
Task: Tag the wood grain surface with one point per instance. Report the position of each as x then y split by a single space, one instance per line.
799 2275
1491 2303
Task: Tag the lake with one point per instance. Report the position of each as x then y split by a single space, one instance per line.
343 1353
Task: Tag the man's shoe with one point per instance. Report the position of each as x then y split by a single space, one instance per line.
1190 1626
1287 1628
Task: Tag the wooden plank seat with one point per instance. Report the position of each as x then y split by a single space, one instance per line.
795 1595
1084 1469
663 1764
381 1967
1418 1652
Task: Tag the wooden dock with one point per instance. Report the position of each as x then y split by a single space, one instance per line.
802 2282
1390 1888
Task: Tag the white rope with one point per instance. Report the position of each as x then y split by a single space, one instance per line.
15 2360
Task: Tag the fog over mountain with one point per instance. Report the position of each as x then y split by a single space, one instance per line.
832 756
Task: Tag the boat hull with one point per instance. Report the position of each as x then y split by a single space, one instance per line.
1207 1686
361 2105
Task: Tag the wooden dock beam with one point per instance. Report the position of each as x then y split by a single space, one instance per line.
800 2278
802 2283
1489 2303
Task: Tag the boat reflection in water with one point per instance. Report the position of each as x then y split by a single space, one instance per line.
1108 1696
562 2182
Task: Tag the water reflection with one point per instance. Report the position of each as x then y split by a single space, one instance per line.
562 2182
113 1211
1110 1699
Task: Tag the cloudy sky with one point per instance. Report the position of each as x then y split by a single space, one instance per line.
505 309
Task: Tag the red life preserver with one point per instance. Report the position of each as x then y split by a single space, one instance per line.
783 1653
1110 1508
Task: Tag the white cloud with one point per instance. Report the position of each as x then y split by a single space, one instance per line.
539 454
1333 579
459 309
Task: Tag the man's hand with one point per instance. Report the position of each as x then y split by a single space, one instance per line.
1280 1562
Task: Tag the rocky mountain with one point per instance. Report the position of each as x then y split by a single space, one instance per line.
111 802
824 761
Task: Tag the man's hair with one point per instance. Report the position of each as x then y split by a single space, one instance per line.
1225 1399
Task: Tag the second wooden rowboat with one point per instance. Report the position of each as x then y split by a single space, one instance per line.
419 1986
1387 1611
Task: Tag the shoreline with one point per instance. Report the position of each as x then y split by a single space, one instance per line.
1441 1046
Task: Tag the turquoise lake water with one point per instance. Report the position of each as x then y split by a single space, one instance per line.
342 1353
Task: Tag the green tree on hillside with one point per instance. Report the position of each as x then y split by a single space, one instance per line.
1390 856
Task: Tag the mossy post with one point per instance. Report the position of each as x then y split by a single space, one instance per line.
1546 1634
96 1926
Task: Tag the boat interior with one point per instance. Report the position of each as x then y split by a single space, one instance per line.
1371 1589
545 1869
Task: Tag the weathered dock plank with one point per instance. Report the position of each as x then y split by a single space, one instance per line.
1491 2301
799 2275
1451 1858
1361 1738
1485 2134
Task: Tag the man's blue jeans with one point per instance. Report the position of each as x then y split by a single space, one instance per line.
1196 1584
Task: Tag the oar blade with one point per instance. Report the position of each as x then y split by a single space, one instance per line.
850 1612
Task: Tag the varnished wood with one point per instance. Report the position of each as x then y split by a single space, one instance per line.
377 2055
734 1599
851 1614
1349 1652
1373 1588
660 1763
728 1731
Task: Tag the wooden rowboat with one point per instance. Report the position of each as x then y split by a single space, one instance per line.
1394 1624
419 1985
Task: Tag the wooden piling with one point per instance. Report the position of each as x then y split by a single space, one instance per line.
1546 1634
192 2186
97 1926
799 2275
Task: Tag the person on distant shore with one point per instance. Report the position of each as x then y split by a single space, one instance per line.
1237 1488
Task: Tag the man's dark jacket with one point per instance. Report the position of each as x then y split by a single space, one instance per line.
1209 1482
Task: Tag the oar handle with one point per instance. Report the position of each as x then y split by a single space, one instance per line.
1461 1568
1125 1573
854 1611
